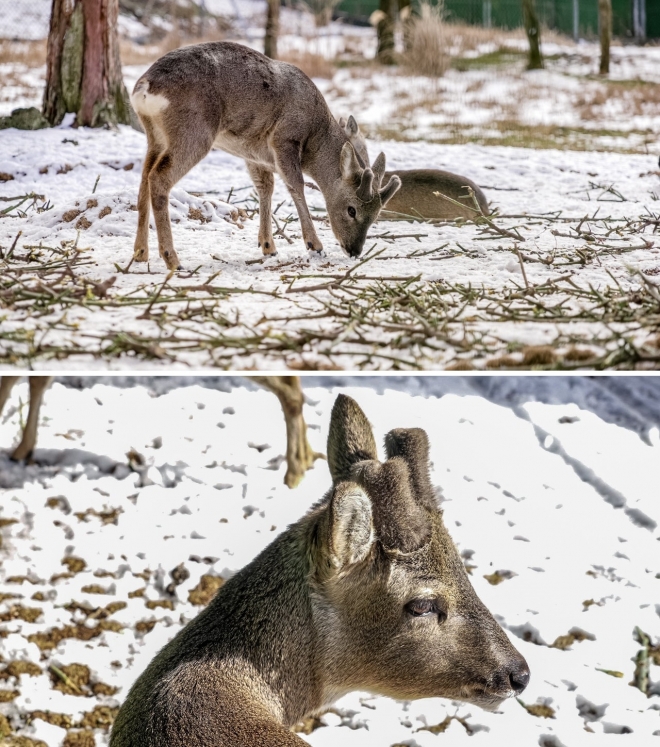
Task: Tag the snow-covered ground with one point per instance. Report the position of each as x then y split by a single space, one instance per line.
128 484
585 291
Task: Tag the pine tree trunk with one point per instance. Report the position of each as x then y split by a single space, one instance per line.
83 72
272 29
533 30
605 23
385 30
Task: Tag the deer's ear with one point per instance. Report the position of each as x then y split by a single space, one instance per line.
350 439
349 164
351 128
351 525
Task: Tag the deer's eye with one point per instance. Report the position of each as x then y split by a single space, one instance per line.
351 212
426 608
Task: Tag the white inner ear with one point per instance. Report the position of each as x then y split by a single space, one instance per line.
348 162
352 526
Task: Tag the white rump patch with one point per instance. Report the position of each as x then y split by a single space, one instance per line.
148 104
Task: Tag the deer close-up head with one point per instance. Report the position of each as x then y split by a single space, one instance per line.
398 613
355 199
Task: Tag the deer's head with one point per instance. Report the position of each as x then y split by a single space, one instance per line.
395 608
356 198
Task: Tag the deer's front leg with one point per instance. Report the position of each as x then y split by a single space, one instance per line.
287 159
264 182
38 385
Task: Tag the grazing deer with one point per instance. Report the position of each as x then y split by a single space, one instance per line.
228 96
416 198
365 592
38 385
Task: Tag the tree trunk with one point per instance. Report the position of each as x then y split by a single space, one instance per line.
272 29
83 73
533 30
299 454
605 23
384 18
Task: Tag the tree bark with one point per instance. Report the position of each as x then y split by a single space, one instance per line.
407 14
533 30
272 29
385 30
299 454
83 69
605 23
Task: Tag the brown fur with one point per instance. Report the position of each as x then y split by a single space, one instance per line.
38 385
416 197
325 609
267 112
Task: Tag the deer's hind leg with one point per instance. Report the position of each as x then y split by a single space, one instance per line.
186 148
264 182
154 149
6 385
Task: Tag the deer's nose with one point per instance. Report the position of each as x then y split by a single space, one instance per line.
519 677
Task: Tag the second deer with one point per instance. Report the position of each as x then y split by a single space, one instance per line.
415 198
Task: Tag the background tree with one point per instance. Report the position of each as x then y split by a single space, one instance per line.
605 24
383 19
272 29
533 31
83 69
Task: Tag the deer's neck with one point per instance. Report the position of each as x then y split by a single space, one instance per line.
322 154
263 616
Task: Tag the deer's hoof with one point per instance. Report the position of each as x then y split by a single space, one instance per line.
140 255
315 247
268 248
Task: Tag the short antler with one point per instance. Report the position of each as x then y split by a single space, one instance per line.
365 191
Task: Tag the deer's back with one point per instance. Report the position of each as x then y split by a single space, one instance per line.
233 92
416 195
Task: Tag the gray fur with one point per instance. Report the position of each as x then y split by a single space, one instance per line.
415 197
325 609
269 113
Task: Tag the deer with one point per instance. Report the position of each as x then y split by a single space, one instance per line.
415 198
38 385
366 592
269 113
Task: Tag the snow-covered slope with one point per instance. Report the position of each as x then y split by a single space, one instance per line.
528 491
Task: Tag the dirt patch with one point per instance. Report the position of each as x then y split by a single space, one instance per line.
74 564
102 717
205 590
18 612
17 668
84 738
51 638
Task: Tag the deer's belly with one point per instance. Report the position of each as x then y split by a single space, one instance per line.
242 148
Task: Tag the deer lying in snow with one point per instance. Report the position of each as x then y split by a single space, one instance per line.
38 385
416 196
225 95
365 592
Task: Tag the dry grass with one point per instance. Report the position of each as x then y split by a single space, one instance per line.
28 53
428 54
314 65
